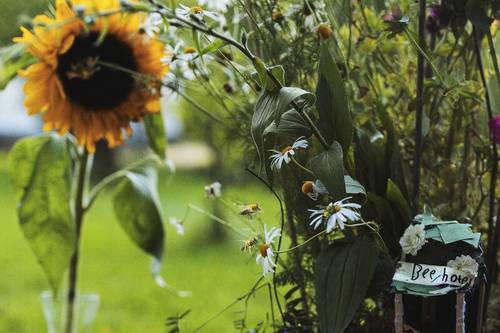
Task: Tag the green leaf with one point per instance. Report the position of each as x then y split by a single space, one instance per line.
271 106
213 46
291 124
42 173
12 59
329 169
401 206
137 207
262 76
353 186
156 134
332 102
342 276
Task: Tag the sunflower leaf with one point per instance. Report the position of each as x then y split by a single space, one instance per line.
329 169
12 59
342 276
137 206
41 170
156 134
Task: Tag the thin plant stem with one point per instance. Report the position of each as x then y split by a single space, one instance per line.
280 239
304 243
216 219
301 166
420 104
79 214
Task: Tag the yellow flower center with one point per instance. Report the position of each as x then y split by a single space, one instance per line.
196 10
286 149
324 31
307 187
263 249
189 50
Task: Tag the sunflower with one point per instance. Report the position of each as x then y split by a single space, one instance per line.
96 71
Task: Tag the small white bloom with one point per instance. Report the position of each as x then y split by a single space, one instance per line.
464 263
179 226
213 191
198 12
338 212
266 254
413 239
287 153
152 24
217 5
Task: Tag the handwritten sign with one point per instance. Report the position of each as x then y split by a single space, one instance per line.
429 275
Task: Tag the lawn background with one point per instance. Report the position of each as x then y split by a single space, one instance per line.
216 273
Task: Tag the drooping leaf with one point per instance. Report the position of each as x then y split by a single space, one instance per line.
42 173
12 59
342 276
329 169
137 207
269 108
291 124
332 102
156 134
353 186
213 47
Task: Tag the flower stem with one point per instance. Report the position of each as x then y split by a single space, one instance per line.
79 214
304 243
301 166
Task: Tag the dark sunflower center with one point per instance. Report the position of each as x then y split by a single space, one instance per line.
87 81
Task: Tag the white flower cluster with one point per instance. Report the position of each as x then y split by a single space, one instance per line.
413 239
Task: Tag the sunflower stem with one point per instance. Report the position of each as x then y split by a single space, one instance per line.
79 214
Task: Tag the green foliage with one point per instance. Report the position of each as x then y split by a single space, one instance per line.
343 274
12 59
137 207
155 132
329 168
332 102
269 108
41 170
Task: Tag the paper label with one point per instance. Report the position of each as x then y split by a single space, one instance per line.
429 275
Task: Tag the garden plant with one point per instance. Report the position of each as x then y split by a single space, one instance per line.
370 122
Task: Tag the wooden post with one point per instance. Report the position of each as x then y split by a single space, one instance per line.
398 313
460 313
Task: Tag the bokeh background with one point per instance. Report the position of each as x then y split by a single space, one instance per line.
206 261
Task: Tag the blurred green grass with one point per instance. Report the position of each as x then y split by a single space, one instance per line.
112 266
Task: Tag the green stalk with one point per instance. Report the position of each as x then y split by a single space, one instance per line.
79 214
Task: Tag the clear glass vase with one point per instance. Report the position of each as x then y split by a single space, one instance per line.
54 311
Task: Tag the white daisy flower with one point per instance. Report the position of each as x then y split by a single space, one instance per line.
464 263
213 191
266 254
152 24
413 239
196 11
338 212
314 189
287 153
178 225
217 5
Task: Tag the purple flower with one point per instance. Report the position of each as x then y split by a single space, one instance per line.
495 129
438 19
